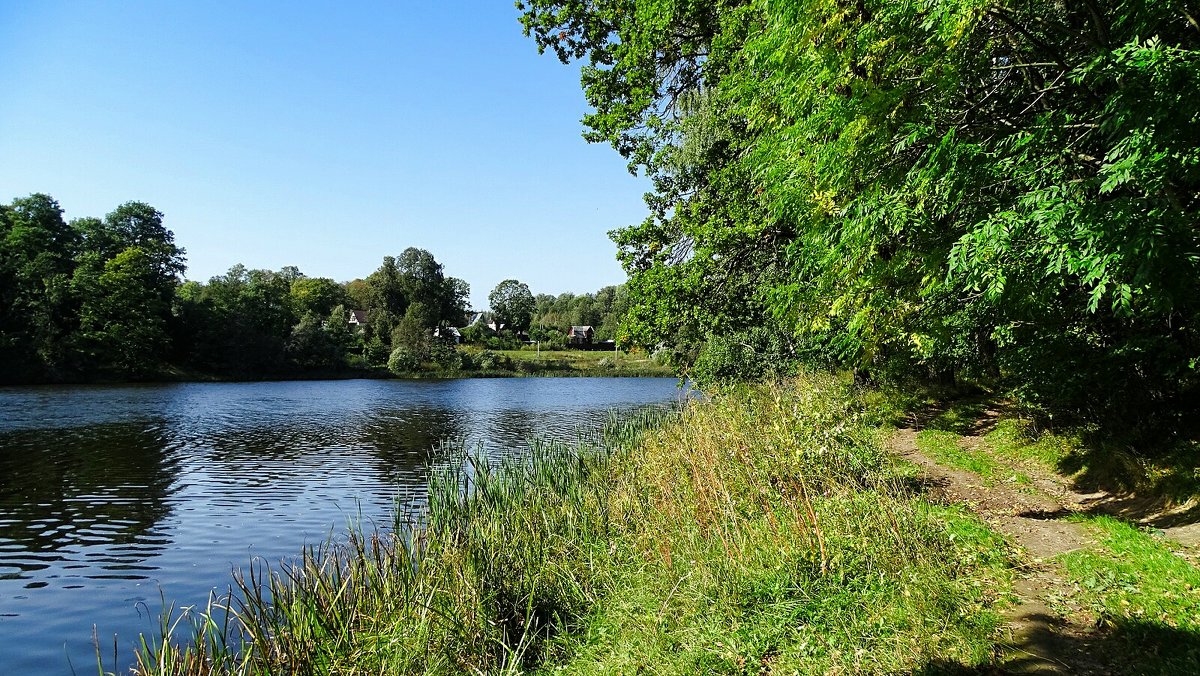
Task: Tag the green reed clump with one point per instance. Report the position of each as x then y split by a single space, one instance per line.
763 531
503 558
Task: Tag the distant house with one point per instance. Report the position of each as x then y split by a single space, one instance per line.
448 333
580 335
358 319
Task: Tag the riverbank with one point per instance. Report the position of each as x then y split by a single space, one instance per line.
500 364
768 530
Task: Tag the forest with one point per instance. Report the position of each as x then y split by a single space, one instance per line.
106 299
1003 194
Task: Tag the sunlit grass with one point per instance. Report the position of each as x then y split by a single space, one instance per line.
763 531
946 448
1139 585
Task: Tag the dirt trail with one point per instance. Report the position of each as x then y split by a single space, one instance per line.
1040 641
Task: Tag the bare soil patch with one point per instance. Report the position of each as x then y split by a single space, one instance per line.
1044 634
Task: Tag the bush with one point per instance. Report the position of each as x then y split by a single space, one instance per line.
447 357
376 352
490 361
746 355
402 360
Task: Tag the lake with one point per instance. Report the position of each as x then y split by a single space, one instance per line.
114 498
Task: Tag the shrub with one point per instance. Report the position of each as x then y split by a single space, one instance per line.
402 360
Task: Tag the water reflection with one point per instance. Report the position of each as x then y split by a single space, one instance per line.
103 486
114 497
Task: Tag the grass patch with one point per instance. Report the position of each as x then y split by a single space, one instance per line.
946 448
594 362
763 531
1137 584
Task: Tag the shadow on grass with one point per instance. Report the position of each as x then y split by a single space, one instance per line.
1126 647
1157 485
1141 481
969 415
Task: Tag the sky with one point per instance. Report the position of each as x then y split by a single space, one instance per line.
324 135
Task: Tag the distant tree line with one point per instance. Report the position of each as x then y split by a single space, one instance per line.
105 299
603 311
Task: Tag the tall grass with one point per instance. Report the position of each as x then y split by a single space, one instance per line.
765 530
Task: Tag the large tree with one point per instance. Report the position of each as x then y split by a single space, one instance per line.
960 189
37 309
512 304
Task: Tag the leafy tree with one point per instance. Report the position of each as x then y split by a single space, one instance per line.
944 189
316 295
125 320
126 272
312 346
512 304
37 314
413 332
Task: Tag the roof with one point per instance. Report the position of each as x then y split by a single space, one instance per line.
358 316
581 329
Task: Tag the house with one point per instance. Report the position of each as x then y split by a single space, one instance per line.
358 319
580 335
448 333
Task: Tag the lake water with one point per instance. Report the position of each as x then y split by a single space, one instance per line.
114 498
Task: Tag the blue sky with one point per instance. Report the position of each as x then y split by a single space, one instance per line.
321 135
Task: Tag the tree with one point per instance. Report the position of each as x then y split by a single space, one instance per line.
38 314
125 321
512 304
944 189
127 267
316 295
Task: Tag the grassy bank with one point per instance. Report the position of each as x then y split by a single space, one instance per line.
475 362
1130 579
763 531
584 362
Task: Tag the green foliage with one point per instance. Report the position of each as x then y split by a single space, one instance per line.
949 189
91 296
124 316
487 360
752 354
317 295
512 304
403 361
605 310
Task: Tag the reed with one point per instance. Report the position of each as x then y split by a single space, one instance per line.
765 530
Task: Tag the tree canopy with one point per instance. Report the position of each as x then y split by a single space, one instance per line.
512 303
953 189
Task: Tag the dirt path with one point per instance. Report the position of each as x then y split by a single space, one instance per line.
1040 640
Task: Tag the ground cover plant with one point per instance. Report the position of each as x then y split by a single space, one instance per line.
765 530
1144 591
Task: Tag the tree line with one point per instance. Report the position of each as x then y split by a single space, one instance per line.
957 191
105 298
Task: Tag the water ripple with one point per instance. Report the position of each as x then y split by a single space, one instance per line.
113 498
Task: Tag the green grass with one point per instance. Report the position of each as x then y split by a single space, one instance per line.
591 362
946 448
765 531
1093 459
1138 585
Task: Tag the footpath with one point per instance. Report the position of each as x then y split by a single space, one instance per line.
1052 626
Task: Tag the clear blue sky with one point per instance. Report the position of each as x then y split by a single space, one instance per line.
322 135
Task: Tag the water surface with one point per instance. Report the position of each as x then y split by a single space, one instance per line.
114 498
